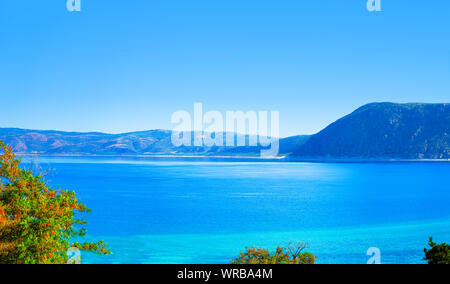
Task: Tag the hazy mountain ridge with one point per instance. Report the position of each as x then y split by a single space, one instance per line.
385 130
152 142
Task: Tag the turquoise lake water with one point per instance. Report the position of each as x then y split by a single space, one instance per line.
207 212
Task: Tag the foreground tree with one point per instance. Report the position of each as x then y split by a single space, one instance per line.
437 254
292 254
37 222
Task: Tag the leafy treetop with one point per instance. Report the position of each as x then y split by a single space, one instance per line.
37 222
292 254
438 253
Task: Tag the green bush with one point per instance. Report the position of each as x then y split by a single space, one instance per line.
292 254
438 254
37 222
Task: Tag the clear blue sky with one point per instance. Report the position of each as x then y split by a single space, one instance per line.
128 65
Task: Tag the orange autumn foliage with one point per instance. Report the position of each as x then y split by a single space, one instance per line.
37 222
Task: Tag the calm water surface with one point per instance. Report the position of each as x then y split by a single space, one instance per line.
206 212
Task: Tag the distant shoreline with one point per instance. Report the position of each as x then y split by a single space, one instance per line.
256 157
362 160
283 158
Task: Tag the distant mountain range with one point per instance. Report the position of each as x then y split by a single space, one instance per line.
153 142
374 131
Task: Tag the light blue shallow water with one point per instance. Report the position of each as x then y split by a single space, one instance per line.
200 212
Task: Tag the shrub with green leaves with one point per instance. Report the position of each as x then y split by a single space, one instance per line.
37 222
438 253
292 254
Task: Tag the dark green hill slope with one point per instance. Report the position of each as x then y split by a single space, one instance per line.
385 130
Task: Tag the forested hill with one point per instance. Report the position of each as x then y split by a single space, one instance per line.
385 130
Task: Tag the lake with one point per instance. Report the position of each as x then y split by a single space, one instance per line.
207 212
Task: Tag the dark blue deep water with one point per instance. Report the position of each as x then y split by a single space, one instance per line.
206 212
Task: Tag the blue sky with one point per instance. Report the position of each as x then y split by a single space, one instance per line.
122 66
